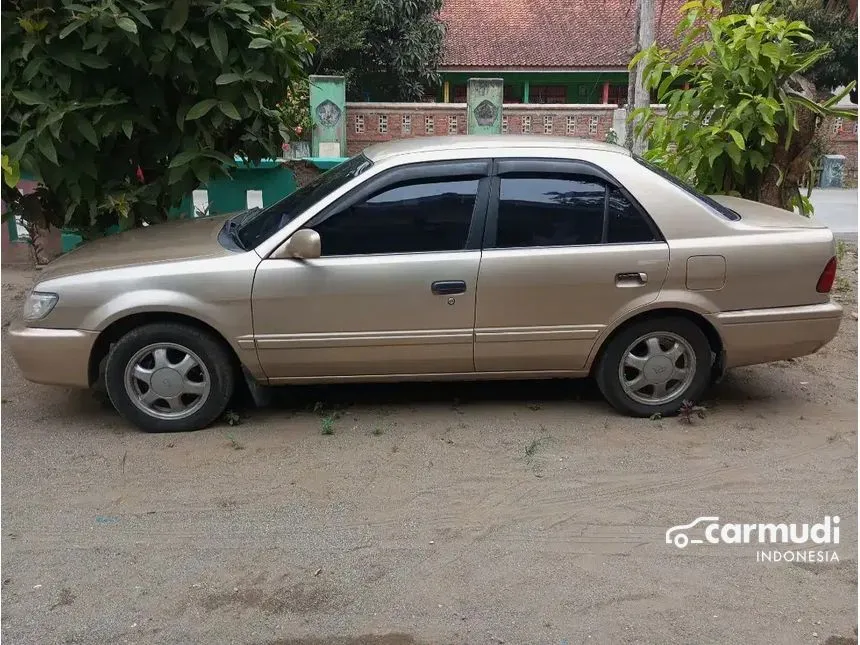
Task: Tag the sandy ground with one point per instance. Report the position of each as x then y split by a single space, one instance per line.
456 513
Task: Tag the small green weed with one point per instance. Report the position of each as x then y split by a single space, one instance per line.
328 424
234 443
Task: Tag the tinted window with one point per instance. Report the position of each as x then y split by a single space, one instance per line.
550 211
261 225
415 216
626 223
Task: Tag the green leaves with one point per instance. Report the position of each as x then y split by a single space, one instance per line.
92 91
28 98
229 110
734 130
227 79
46 147
218 38
737 138
178 15
200 109
127 24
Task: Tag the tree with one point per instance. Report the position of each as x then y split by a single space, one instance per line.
391 46
736 128
832 25
121 107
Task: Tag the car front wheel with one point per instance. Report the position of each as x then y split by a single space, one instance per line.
167 377
652 366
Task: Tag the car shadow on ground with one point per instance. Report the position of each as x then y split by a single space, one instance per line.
300 397
578 395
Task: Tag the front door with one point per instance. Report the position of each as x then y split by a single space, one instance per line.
393 292
566 252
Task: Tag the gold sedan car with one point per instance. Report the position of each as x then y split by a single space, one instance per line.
439 258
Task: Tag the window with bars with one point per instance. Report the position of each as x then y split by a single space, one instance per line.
428 124
459 94
855 127
837 125
571 125
547 124
527 124
382 126
593 121
406 123
452 125
359 123
504 125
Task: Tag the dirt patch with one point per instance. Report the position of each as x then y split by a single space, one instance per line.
515 512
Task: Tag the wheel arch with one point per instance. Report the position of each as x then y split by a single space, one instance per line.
121 326
696 317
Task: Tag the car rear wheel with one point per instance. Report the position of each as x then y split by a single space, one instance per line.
168 377
652 366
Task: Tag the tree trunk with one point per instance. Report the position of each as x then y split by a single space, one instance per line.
631 78
642 97
794 162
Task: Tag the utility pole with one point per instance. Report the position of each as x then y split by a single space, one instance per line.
644 32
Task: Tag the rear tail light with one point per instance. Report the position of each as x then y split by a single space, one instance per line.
825 282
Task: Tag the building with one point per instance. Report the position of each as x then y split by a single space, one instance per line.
562 51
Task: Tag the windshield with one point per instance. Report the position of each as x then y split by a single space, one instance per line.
260 226
719 209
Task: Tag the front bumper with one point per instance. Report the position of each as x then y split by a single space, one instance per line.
756 336
52 356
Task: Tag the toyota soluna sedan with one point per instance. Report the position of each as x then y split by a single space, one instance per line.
439 258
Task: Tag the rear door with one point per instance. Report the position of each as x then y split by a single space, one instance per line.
566 251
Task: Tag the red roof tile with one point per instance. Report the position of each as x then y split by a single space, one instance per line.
545 33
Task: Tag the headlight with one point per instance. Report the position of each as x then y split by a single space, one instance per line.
38 305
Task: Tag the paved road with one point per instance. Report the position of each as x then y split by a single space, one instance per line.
837 208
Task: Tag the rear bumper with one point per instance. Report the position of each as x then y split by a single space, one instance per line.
756 336
52 356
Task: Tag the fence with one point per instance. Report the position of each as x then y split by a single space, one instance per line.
369 123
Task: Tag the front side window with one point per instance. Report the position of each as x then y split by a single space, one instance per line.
540 210
257 227
410 217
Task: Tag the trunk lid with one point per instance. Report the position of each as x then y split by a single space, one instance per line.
758 215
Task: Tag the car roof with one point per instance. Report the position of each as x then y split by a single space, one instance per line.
496 142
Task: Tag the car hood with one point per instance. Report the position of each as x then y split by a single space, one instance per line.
764 216
170 241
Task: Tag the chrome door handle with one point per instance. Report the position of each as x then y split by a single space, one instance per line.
630 279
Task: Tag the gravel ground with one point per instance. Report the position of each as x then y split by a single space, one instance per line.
453 513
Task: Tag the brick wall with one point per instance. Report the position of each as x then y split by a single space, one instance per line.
369 123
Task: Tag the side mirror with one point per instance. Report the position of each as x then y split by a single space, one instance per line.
304 244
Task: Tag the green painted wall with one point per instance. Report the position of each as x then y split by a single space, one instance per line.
230 195
582 87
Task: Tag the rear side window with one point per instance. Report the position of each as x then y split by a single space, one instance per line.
550 211
410 217
566 210
626 224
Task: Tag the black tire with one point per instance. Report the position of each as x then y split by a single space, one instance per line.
607 371
212 353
